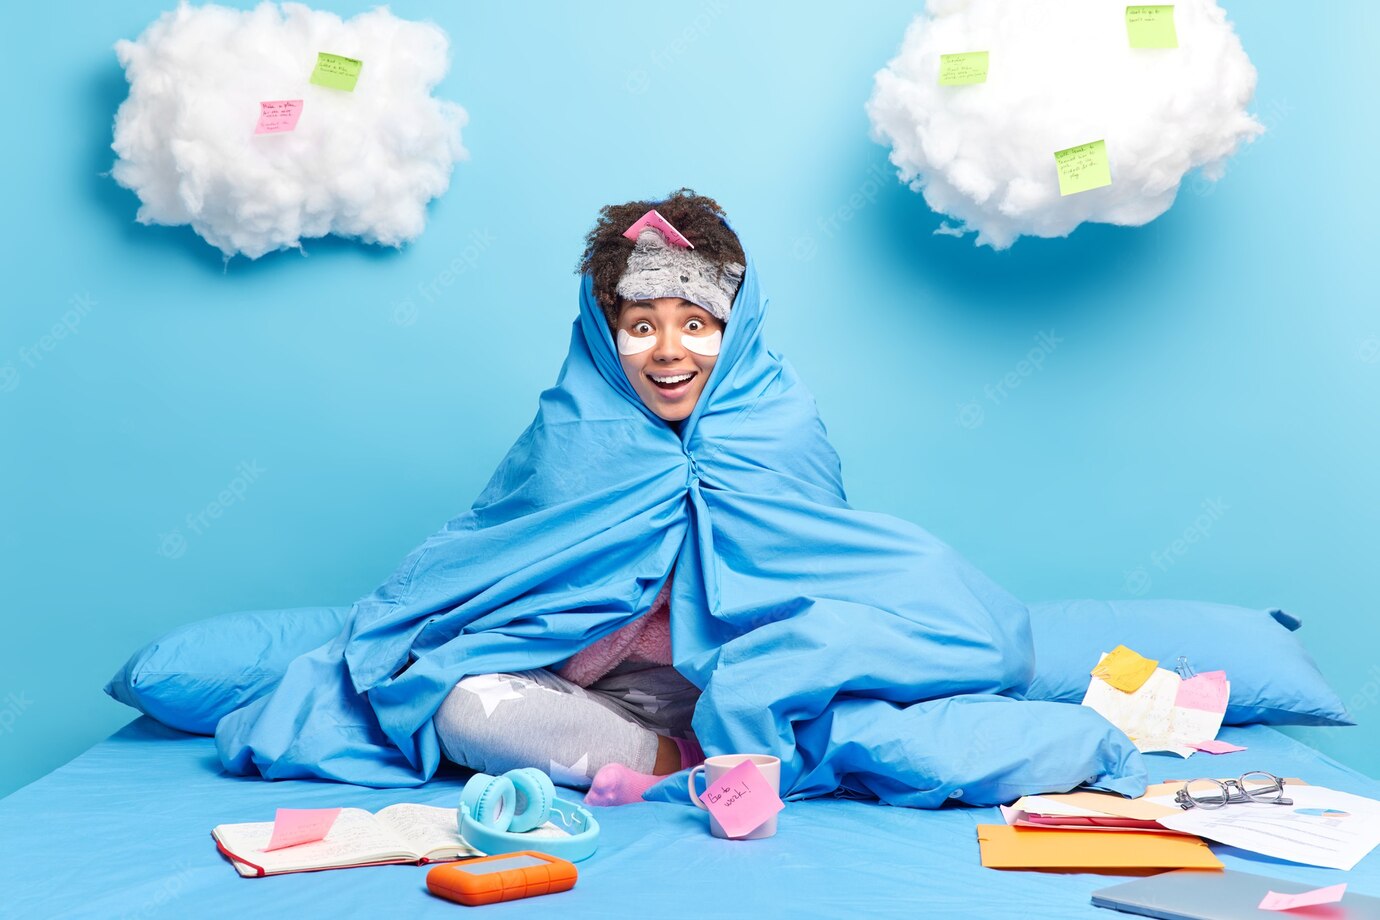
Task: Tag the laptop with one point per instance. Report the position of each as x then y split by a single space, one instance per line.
1198 894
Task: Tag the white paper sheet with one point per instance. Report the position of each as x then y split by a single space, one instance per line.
1337 841
1149 716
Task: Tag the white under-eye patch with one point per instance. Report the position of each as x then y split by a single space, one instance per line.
634 345
707 345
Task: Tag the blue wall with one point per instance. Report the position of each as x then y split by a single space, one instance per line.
1227 352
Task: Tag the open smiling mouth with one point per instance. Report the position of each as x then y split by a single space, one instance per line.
672 384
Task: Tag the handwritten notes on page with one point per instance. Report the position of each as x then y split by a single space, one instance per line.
1083 168
1154 716
293 826
742 799
962 69
336 72
278 115
1151 27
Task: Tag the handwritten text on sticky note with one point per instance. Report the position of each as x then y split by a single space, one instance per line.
1123 668
1151 27
336 72
1083 168
293 826
278 116
960 69
742 799
1207 691
1273 900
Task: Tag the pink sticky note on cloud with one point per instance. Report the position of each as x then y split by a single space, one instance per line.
293 826
1206 691
1217 747
278 115
663 226
1273 900
742 799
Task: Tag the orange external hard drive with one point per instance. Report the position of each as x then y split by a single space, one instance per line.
505 877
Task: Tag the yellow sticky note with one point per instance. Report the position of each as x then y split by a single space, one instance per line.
1151 27
1124 669
336 72
961 69
1083 167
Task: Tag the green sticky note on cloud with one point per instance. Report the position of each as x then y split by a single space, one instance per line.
962 69
1151 27
1083 168
336 72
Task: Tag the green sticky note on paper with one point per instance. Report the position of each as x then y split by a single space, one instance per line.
1083 167
961 69
336 72
1151 27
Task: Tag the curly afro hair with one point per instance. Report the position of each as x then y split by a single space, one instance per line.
700 219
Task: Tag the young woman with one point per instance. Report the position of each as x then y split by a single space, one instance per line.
618 711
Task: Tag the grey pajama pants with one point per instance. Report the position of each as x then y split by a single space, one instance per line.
497 722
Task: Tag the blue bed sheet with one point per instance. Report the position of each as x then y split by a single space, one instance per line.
123 831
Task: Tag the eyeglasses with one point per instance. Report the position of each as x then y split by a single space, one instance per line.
1256 786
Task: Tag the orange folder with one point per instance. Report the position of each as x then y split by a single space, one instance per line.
1007 847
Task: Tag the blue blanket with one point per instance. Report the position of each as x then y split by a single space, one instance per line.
855 646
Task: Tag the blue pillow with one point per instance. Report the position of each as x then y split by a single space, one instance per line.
199 672
1273 680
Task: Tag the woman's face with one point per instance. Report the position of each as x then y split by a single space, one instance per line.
686 338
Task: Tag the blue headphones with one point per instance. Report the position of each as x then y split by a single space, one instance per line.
497 812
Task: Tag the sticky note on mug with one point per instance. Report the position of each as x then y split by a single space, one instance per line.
742 799
962 69
1124 669
293 826
278 115
1151 27
1083 168
336 72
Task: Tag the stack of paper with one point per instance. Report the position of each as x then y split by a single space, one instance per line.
1157 709
1092 830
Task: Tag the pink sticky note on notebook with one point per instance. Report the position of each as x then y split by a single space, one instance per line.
1217 747
742 799
278 116
1273 900
293 826
654 220
1206 691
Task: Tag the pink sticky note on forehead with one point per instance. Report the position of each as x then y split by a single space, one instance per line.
742 799
1206 691
278 115
660 224
293 826
1273 900
1217 747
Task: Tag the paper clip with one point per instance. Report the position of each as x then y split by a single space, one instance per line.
1183 668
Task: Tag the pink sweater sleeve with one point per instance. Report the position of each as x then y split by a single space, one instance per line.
648 638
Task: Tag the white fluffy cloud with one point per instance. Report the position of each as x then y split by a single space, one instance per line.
1061 73
359 164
